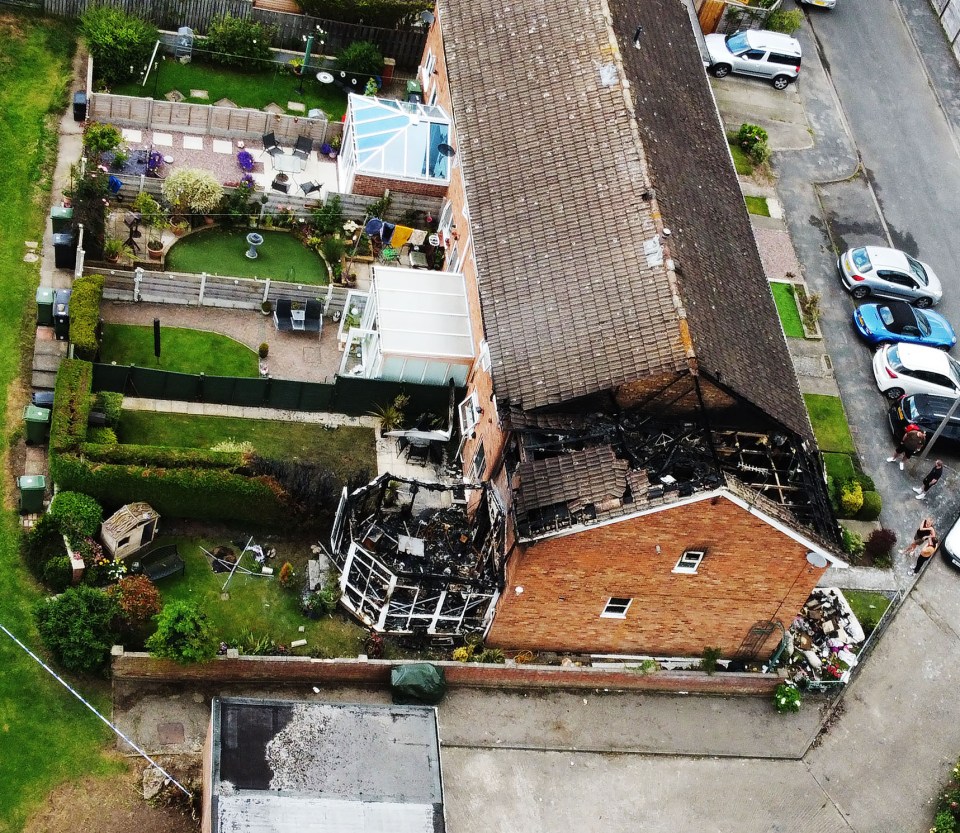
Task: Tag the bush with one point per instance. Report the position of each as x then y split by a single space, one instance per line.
852 543
194 190
866 482
264 350
286 576
879 546
239 42
851 498
753 139
332 249
117 42
787 698
110 404
872 504
78 628
58 573
386 14
708 662
138 600
78 516
784 21
361 58
71 405
100 138
85 316
183 634
321 602
328 218
43 543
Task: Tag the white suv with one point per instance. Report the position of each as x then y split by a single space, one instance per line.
756 52
908 369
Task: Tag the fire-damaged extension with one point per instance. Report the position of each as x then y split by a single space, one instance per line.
412 561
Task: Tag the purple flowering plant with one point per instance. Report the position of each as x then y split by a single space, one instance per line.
245 160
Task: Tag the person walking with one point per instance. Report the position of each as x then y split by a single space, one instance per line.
910 443
924 532
926 553
929 481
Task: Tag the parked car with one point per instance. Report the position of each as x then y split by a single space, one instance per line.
950 546
875 270
823 4
897 321
756 52
907 369
926 411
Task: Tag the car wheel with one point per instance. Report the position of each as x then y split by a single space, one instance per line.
781 82
720 70
893 394
860 292
922 303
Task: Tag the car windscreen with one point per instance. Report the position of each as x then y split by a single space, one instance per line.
923 322
893 359
917 268
861 260
737 42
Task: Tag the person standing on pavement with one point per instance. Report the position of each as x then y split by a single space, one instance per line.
910 443
926 553
924 531
929 481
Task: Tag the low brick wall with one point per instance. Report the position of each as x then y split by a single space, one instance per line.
139 667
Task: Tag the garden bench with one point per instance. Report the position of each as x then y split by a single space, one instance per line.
160 563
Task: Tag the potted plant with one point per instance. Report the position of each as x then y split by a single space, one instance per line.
114 249
155 248
266 307
264 350
296 66
179 228
334 147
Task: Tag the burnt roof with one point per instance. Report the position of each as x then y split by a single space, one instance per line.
559 156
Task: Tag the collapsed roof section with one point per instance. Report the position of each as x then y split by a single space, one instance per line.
580 469
412 562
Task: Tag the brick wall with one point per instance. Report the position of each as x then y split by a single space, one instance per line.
373 186
751 572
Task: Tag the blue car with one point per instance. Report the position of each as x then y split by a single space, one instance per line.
896 321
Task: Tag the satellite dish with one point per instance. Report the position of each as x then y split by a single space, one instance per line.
324 78
426 17
815 559
446 150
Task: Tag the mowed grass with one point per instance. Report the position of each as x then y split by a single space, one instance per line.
758 206
181 351
829 423
258 605
839 466
868 606
741 161
46 736
223 252
343 450
787 309
272 84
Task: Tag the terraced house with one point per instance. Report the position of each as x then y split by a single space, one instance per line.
632 414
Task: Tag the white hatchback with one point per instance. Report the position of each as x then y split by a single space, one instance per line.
907 369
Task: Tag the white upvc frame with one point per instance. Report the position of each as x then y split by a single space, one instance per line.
470 413
616 607
689 562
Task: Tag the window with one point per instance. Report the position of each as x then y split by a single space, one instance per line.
469 413
484 356
616 608
429 65
479 465
689 561
434 96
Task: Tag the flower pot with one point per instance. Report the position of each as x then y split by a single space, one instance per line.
112 258
155 254
208 220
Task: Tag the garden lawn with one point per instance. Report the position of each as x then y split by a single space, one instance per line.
258 605
787 309
758 206
741 161
839 466
46 736
343 450
829 423
181 351
272 85
223 252
868 606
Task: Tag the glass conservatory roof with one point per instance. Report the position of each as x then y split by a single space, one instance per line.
399 138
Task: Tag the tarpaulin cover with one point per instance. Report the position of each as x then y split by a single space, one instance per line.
418 683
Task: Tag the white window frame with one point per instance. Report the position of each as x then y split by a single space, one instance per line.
445 220
484 357
615 609
690 562
470 413
428 67
434 95
477 476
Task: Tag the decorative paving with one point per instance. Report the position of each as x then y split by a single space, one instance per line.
193 142
222 146
131 135
202 94
297 106
163 139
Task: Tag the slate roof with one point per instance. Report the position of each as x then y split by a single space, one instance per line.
556 162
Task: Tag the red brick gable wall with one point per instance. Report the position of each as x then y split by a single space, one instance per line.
751 572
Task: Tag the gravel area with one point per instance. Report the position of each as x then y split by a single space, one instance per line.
777 255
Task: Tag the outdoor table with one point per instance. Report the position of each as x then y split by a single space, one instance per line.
298 316
287 164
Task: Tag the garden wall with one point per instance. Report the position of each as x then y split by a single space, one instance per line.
139 667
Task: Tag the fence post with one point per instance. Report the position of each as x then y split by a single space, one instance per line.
137 277
203 286
266 289
78 263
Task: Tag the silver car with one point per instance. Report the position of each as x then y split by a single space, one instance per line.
770 55
875 270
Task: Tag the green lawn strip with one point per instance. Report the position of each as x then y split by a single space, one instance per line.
787 309
741 161
223 252
758 206
829 423
839 466
245 89
46 735
868 606
258 605
181 351
343 450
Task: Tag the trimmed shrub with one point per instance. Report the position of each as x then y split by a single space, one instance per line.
361 58
872 504
78 516
58 572
78 628
784 21
85 316
852 543
328 218
239 42
139 602
851 498
110 404
102 435
156 455
866 482
183 634
71 405
190 189
879 546
117 41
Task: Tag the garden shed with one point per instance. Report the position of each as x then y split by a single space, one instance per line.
129 529
414 327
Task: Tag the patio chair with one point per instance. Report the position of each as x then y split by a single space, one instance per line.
114 184
309 187
303 146
270 144
282 315
313 317
277 185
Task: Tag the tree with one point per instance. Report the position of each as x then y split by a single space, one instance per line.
78 628
139 602
120 43
183 634
239 41
192 190
361 58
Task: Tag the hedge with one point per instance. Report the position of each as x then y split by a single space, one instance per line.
872 506
164 457
385 14
85 316
71 405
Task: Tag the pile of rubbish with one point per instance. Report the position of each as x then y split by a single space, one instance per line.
821 644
